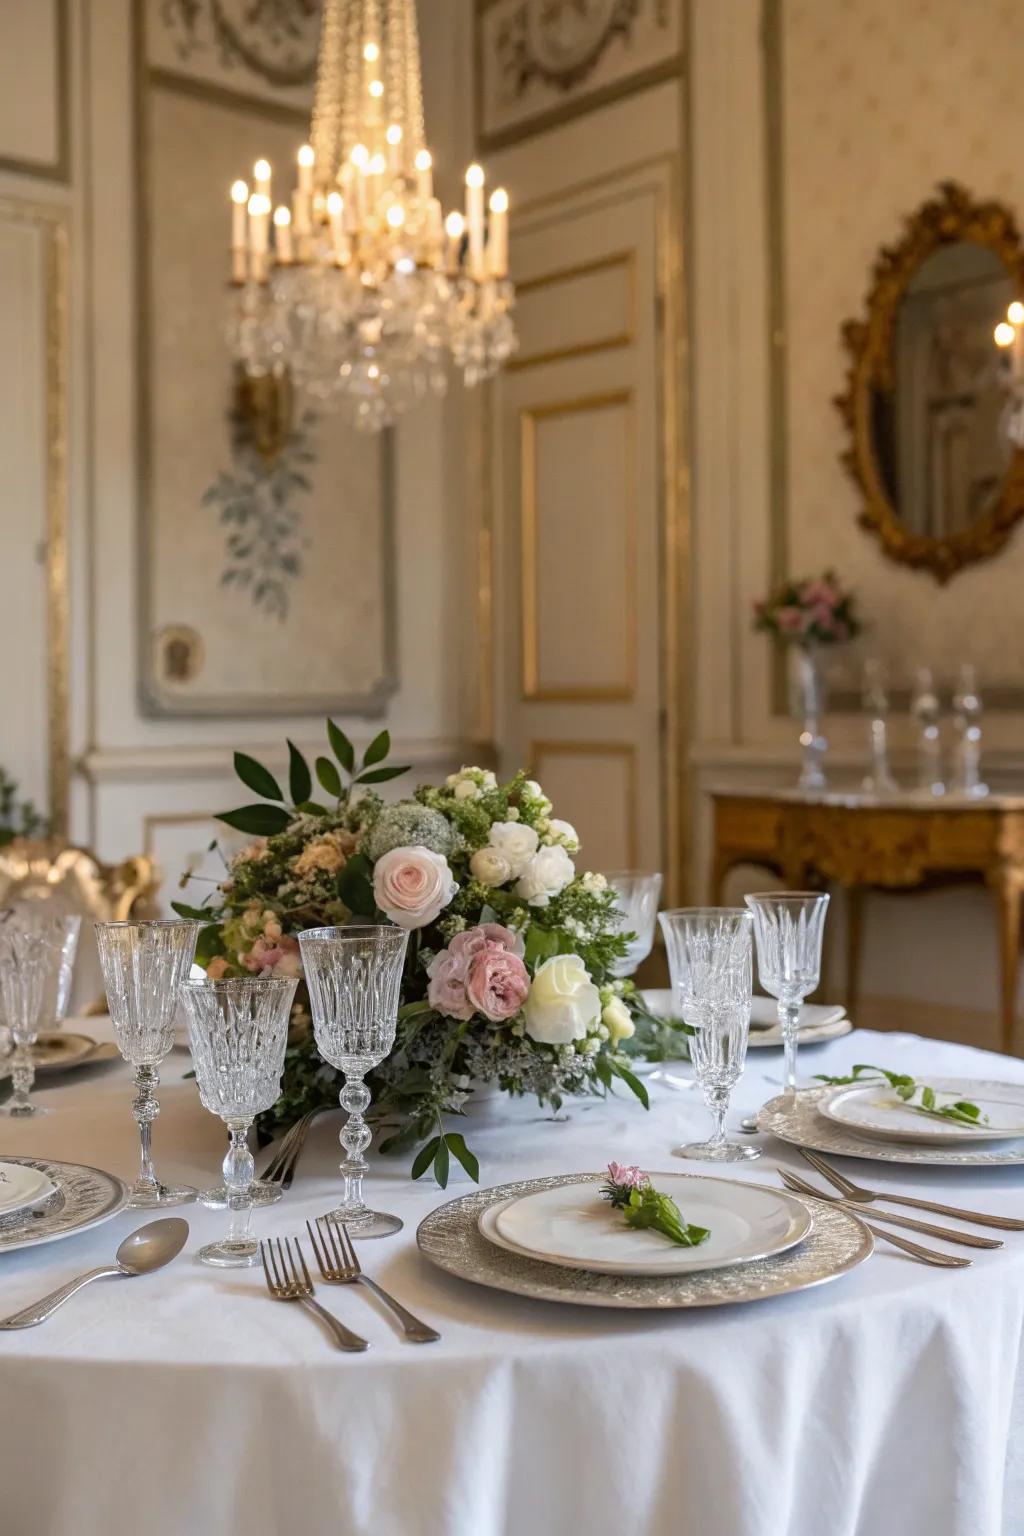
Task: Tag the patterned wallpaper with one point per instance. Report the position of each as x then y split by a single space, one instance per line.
880 99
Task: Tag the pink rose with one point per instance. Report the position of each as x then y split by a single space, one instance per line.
790 621
279 957
411 885
470 941
630 1175
497 983
447 989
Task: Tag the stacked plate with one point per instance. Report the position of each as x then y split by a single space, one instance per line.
41 1200
870 1120
818 1021
558 1239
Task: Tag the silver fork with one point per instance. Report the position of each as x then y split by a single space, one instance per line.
857 1193
915 1250
288 1280
339 1265
281 1169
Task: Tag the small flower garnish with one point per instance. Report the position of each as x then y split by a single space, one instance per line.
629 1190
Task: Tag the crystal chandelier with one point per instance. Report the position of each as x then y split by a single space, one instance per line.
361 289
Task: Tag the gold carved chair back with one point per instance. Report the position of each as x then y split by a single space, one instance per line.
76 881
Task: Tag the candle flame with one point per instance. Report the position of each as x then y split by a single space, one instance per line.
424 160
396 215
455 226
335 204
376 88
371 53
282 216
1004 334
499 201
306 155
261 170
475 176
1015 313
394 134
360 156
239 192
258 205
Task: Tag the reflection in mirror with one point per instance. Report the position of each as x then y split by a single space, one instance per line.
928 401
937 434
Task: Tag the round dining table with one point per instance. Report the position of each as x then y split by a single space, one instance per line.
187 1400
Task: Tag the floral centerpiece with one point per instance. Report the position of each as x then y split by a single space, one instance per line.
811 611
507 978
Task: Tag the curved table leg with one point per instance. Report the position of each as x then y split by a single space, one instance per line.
1007 886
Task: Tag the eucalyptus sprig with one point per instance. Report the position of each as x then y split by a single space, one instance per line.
962 1111
630 1191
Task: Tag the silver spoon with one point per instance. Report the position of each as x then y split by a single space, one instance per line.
149 1248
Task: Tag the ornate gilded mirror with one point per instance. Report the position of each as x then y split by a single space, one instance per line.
927 397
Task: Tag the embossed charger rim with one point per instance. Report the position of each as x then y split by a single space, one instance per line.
449 1237
928 1132
49 1230
803 1126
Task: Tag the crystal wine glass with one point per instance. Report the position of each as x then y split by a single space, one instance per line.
238 1030
144 965
967 724
37 955
354 977
789 926
636 900
709 958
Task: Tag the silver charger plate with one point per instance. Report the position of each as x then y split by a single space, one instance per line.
450 1238
85 1196
797 1120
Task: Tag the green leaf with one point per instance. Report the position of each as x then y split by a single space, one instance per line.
354 886
457 1146
441 1162
424 1157
329 776
603 1069
631 1081
540 945
209 943
300 780
380 775
312 808
928 1098
342 748
262 820
257 778
378 749
198 914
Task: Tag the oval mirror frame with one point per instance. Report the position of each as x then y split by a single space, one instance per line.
952 216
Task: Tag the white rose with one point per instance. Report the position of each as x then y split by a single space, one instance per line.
558 831
549 871
563 1002
618 1021
516 842
411 885
465 789
490 867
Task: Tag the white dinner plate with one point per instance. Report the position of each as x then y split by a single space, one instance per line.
875 1109
818 1021
572 1225
82 1198
21 1185
57 1050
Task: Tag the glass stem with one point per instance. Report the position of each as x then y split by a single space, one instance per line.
145 1109
355 1138
718 1109
239 1170
23 1075
789 1018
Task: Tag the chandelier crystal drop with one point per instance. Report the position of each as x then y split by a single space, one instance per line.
360 288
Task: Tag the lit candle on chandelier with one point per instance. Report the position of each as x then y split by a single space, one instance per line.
475 220
283 236
360 159
335 215
424 176
497 245
259 234
307 160
455 228
239 230
394 138
261 176
375 179
1015 315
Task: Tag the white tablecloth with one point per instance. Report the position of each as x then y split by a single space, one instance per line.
187 1401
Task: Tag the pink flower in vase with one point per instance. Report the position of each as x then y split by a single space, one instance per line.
498 983
790 621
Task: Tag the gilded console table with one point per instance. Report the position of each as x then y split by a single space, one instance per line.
900 843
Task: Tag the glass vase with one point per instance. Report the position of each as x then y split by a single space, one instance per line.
807 704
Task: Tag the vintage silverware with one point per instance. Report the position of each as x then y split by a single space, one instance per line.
339 1265
148 1248
288 1280
927 1255
281 1169
857 1193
